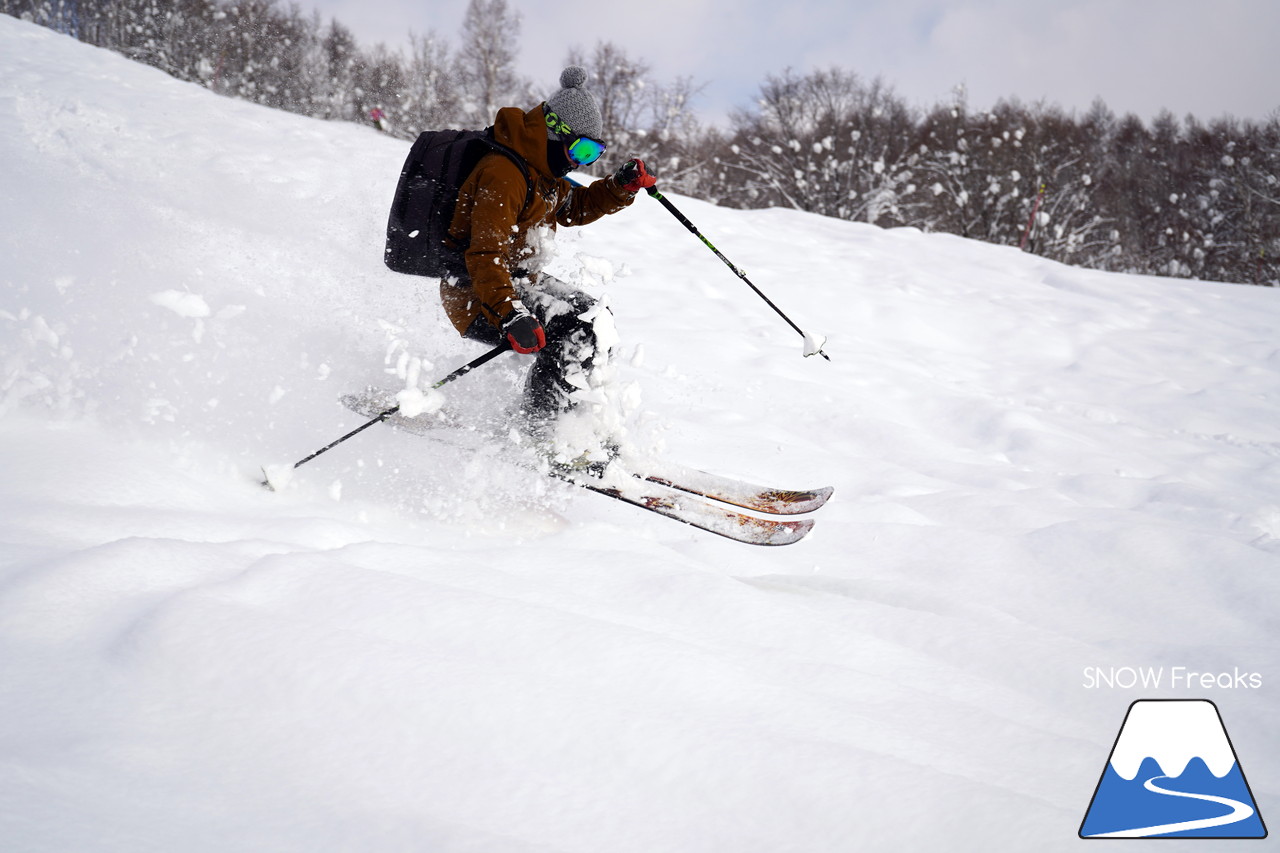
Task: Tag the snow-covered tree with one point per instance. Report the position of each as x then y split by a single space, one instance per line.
1180 198
486 60
429 98
824 142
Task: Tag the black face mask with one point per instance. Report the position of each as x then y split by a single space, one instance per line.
557 159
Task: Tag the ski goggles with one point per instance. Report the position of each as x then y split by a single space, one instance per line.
584 150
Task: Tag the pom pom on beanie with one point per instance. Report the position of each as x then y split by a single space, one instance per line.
573 77
575 106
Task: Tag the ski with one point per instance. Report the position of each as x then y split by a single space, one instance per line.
738 493
692 509
697 498
375 403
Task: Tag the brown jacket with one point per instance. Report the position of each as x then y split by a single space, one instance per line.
493 223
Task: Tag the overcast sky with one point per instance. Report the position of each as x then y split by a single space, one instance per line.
1208 58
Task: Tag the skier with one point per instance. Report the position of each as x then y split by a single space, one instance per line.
497 191
502 296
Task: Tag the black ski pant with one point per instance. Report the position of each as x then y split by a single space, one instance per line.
571 350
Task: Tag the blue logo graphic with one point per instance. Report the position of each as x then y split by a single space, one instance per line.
1173 773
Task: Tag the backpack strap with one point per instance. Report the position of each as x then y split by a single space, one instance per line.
514 158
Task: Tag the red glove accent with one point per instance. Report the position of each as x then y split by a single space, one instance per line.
633 176
524 331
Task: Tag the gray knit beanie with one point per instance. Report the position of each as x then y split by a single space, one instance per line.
574 106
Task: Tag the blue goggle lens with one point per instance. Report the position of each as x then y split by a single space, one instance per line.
584 150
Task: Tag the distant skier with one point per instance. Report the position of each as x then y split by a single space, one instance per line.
498 227
379 119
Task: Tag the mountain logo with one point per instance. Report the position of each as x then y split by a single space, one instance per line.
1173 773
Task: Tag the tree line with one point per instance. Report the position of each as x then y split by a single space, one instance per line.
1171 197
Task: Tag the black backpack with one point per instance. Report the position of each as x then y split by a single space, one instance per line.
437 165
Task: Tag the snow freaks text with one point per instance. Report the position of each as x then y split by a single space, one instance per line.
1173 677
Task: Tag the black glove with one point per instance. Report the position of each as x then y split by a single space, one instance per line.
523 330
633 176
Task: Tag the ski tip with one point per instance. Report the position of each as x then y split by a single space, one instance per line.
786 502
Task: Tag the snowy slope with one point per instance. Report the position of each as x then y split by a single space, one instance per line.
416 647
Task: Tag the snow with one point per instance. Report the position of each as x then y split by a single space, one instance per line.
415 401
415 645
813 343
182 304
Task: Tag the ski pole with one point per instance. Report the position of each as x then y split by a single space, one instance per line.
457 374
813 346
